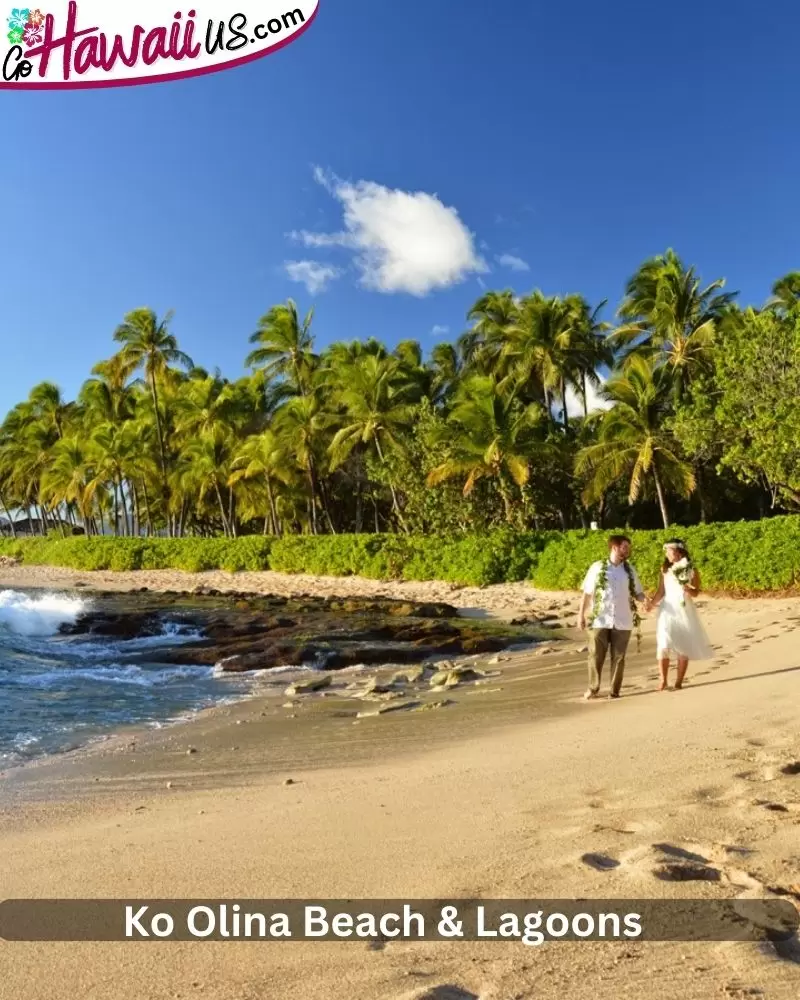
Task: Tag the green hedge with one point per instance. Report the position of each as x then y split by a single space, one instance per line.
738 557
743 557
190 554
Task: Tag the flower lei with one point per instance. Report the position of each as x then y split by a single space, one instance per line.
600 589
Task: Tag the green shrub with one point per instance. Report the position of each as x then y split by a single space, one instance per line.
737 557
742 557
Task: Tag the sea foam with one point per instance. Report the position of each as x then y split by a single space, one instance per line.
26 615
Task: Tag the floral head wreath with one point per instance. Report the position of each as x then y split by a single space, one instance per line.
676 543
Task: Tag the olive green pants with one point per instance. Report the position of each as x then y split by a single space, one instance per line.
600 641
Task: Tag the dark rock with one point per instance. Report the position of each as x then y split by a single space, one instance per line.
118 626
263 632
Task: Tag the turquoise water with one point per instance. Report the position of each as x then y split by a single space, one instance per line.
58 692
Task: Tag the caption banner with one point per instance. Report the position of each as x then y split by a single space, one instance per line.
531 922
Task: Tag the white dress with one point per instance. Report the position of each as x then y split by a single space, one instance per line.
679 631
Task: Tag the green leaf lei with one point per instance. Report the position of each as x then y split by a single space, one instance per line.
600 589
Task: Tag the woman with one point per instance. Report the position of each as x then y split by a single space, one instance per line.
679 631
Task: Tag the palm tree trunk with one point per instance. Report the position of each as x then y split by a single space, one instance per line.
701 492
157 413
312 503
323 492
123 501
506 500
359 494
395 504
221 508
136 513
116 508
662 502
231 513
564 402
11 527
272 509
147 509
583 393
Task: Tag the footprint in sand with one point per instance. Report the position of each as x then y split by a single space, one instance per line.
772 806
672 863
693 863
600 862
444 992
791 769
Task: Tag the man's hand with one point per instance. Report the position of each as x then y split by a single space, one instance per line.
582 623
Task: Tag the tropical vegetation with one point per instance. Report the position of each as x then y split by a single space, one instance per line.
541 417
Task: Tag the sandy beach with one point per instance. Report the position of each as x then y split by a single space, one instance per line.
515 789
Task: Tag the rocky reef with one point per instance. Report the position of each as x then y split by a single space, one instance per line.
241 633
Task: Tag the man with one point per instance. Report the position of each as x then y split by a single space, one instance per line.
610 590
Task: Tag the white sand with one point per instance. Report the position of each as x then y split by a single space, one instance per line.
508 814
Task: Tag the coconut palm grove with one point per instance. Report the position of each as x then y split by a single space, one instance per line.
679 409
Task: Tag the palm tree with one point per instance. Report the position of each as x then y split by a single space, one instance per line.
264 458
147 343
377 398
668 316
541 348
70 477
489 435
492 316
446 368
207 468
107 395
301 422
591 348
285 348
786 293
632 442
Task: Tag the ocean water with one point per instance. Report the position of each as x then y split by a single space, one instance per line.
58 692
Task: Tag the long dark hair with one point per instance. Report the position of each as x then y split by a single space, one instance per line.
680 545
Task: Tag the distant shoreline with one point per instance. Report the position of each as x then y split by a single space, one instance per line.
501 600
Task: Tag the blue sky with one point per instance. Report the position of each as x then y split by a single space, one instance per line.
578 137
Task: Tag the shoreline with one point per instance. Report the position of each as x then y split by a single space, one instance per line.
500 600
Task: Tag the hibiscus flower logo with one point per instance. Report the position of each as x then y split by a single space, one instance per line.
26 26
19 19
33 34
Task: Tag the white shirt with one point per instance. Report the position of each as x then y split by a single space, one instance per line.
615 607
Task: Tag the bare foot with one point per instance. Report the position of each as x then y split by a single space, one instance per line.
662 686
678 687
589 695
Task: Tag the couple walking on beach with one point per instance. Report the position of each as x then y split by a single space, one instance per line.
611 591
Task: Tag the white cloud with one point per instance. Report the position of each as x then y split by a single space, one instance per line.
403 241
440 331
594 401
313 275
511 262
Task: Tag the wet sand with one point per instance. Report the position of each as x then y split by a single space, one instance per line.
516 789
